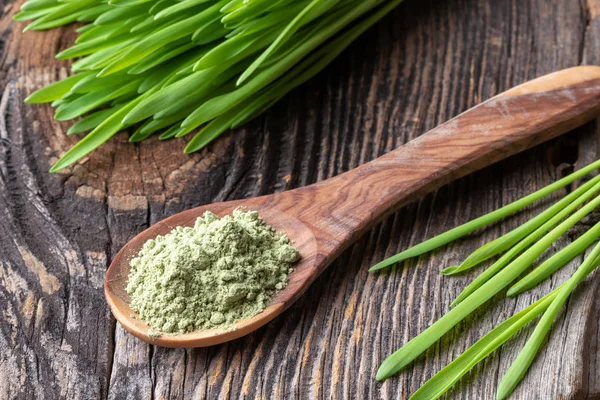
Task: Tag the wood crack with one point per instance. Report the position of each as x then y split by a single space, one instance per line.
587 19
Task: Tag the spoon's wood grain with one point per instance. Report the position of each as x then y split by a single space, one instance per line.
325 218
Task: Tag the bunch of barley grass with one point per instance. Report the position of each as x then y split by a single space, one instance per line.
175 67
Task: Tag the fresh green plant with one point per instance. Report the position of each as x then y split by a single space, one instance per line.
175 66
469 227
518 249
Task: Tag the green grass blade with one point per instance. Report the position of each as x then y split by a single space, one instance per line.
55 23
138 136
490 272
57 103
169 133
449 375
211 131
92 13
93 32
555 262
31 5
160 5
234 50
190 102
97 137
195 119
484 220
145 25
67 10
289 30
256 108
154 125
161 56
168 95
160 38
304 71
92 83
92 46
119 14
279 17
250 9
124 3
219 105
92 100
521 365
419 344
91 121
164 74
112 32
99 58
63 14
55 91
84 28
126 98
585 192
30 14
510 239
179 7
209 33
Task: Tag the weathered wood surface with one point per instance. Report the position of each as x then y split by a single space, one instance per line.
422 65
324 219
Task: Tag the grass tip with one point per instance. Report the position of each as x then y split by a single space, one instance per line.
55 168
502 393
449 270
242 79
127 120
455 302
388 368
60 116
380 266
513 291
381 375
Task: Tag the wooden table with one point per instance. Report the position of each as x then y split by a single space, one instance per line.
423 64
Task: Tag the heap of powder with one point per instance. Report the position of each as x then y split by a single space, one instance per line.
211 275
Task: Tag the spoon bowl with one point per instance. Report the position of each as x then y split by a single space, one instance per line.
323 219
299 234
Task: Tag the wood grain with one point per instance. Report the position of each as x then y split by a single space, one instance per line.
424 64
326 218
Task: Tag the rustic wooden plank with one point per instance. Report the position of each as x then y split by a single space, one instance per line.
422 65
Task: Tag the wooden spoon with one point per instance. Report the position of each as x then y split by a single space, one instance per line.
325 218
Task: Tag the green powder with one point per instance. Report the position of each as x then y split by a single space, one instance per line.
211 275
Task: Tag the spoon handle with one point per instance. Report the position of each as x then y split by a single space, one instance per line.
343 207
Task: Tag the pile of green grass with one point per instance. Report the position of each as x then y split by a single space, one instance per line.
512 255
173 67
